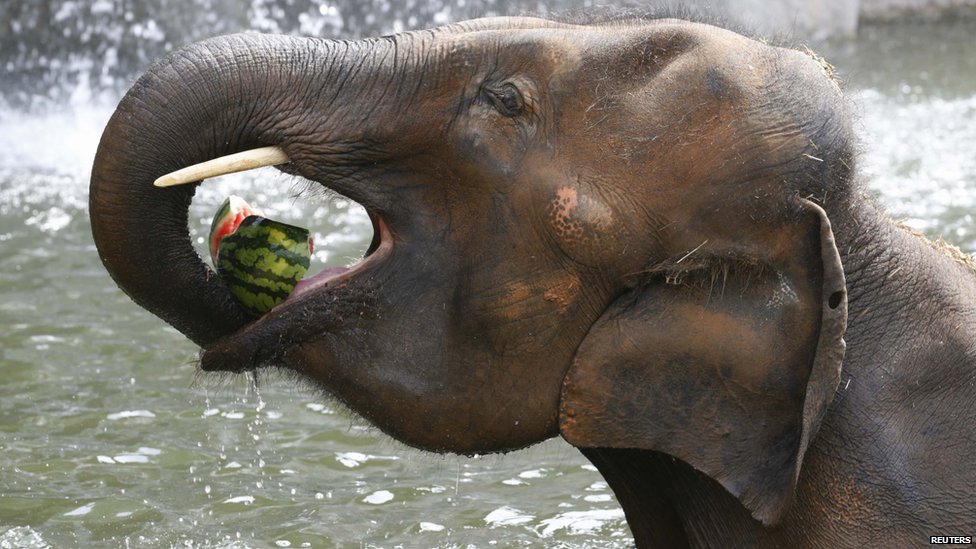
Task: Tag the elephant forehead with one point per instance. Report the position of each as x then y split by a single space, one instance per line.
564 56
557 51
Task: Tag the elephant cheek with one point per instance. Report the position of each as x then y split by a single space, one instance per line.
520 316
495 153
584 227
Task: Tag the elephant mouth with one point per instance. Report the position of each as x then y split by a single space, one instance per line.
335 277
318 304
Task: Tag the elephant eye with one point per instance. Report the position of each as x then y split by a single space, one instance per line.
507 99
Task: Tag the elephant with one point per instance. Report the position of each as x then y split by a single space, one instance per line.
648 237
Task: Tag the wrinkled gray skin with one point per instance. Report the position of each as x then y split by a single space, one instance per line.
644 237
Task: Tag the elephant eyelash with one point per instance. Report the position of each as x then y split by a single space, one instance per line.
507 99
707 272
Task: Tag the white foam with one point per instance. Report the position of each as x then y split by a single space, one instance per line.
533 473
379 497
131 458
351 459
320 408
80 511
598 486
125 414
246 500
580 522
355 459
507 516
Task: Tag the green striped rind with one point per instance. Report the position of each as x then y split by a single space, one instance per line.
263 261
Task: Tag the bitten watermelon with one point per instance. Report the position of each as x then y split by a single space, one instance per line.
260 260
228 217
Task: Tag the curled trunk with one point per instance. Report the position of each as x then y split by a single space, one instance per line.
210 99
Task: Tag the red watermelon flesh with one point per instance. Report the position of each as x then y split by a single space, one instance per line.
227 219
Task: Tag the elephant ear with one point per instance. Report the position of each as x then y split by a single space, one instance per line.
733 380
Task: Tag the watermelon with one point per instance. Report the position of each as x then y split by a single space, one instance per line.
261 260
228 217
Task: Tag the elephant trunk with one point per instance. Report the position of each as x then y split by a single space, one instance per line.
210 99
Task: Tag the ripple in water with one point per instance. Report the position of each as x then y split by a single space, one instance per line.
920 161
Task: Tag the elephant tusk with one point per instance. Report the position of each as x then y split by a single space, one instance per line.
232 163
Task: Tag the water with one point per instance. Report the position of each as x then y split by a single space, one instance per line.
110 438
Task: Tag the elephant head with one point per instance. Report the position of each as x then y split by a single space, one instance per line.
614 232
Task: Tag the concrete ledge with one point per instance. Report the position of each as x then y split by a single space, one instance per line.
819 19
887 10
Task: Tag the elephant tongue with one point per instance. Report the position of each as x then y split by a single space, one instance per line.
307 283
